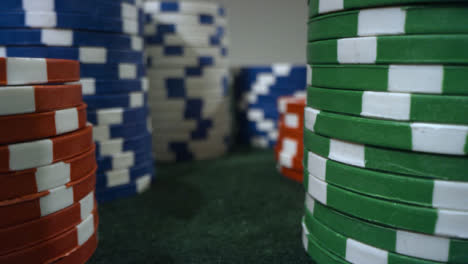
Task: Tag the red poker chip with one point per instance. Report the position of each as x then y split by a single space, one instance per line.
32 181
16 100
82 254
49 250
292 174
23 71
28 208
25 235
33 154
27 127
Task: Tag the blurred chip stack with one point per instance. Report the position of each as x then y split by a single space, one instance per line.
257 90
289 149
47 164
386 131
189 77
105 37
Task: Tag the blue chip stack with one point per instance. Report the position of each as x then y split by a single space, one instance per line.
257 90
188 70
106 37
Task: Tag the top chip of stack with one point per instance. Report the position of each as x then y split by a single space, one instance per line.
47 164
257 91
374 131
289 149
189 78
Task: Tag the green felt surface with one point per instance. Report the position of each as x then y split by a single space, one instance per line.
236 209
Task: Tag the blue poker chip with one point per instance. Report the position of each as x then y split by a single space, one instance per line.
35 19
101 87
200 61
180 50
198 19
105 180
115 116
107 148
119 71
177 87
286 76
90 7
123 191
159 39
84 55
131 100
64 37
126 131
124 160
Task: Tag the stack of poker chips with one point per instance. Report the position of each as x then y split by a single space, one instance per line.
385 133
257 90
47 164
189 76
289 149
105 37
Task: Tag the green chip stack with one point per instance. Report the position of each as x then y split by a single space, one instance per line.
386 132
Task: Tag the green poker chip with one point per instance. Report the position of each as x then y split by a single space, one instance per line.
394 106
354 251
319 7
408 49
395 187
425 220
317 252
399 20
422 246
421 137
426 79
442 167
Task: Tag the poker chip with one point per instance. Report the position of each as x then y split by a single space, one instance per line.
382 105
401 242
291 174
81 254
106 148
33 154
385 137
135 187
100 87
412 49
95 8
165 7
116 116
39 71
62 37
188 71
126 131
50 249
257 91
123 160
27 127
120 71
38 98
422 137
86 55
318 7
30 182
398 20
130 100
48 19
426 79
115 178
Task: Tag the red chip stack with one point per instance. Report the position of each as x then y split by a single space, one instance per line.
289 150
47 164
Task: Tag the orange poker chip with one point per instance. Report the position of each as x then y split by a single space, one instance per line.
27 182
27 127
16 100
292 174
28 208
33 154
82 254
23 71
49 250
25 235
